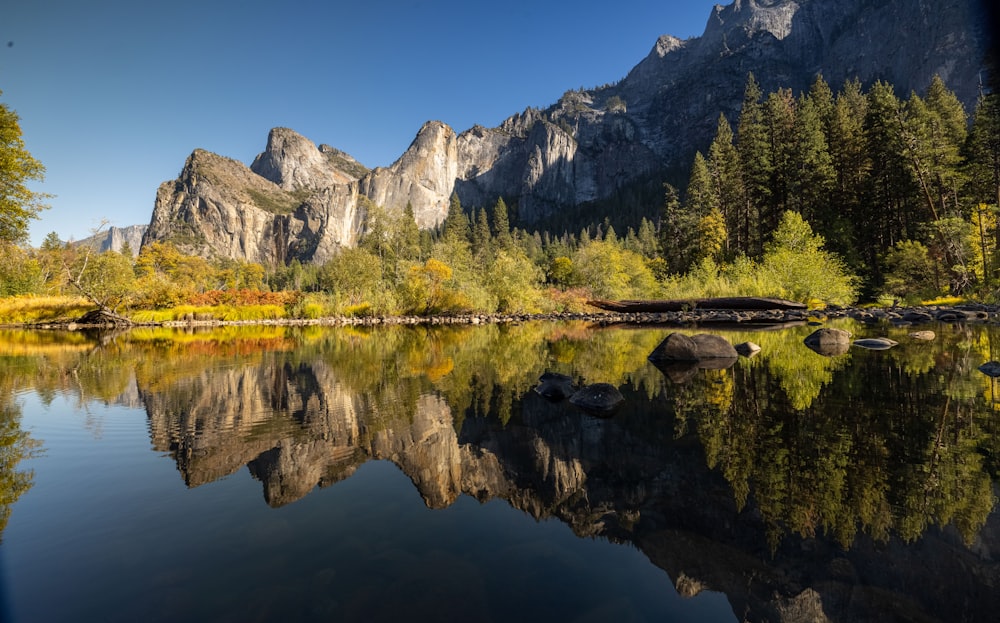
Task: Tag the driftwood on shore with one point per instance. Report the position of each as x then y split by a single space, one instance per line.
730 303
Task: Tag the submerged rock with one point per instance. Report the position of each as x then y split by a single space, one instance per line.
598 399
960 315
829 342
916 316
555 386
876 343
923 335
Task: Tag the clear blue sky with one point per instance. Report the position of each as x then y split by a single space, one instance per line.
113 95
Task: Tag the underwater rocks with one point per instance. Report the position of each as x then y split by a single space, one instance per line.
601 399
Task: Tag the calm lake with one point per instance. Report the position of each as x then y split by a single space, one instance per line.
413 474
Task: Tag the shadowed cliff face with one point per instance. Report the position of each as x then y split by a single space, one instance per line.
804 512
298 201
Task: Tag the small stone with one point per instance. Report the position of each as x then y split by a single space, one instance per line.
875 343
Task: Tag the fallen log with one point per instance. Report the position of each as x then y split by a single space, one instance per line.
754 303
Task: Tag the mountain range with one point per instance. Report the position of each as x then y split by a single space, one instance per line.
561 166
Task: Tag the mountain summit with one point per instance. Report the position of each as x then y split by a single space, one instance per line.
300 201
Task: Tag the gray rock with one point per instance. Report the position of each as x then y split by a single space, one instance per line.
698 348
555 386
711 346
875 343
598 399
960 315
829 342
675 347
917 317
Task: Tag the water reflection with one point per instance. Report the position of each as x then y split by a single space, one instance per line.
791 481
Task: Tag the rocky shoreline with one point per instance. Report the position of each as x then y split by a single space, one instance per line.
896 316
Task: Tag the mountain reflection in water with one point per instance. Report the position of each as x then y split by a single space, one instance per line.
857 487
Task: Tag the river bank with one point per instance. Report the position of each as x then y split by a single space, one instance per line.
897 316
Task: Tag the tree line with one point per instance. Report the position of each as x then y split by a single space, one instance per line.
905 191
821 197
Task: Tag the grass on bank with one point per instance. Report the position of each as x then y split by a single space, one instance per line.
31 309
210 312
22 310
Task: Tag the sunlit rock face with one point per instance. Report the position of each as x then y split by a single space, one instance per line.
218 207
424 176
116 238
299 201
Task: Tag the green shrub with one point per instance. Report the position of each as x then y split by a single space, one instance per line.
360 310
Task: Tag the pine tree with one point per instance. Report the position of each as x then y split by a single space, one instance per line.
889 184
456 224
756 162
702 196
779 113
812 174
851 165
481 237
646 240
501 225
409 236
724 165
983 149
944 132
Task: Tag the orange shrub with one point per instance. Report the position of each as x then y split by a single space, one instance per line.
243 297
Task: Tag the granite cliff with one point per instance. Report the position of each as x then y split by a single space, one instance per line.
300 201
115 239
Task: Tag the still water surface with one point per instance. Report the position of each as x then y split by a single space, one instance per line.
413 474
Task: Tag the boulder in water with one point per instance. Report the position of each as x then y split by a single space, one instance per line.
698 348
829 342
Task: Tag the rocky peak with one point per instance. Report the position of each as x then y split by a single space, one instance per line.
666 44
424 176
750 18
293 162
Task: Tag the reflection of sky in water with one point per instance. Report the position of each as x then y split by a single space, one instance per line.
109 531
789 480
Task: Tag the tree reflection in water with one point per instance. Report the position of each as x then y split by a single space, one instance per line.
788 470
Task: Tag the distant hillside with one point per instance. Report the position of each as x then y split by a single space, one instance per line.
114 238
